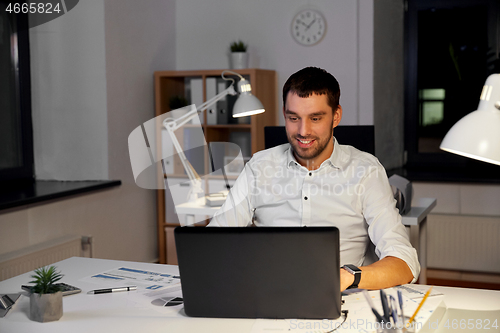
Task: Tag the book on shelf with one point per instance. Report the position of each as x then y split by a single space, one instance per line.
196 96
211 83
222 108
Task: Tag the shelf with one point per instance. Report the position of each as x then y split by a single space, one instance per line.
176 175
211 72
248 136
230 126
230 177
173 225
171 175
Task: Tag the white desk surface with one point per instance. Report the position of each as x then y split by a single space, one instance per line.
107 312
114 313
196 208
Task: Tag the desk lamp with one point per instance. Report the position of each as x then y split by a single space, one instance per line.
246 105
477 135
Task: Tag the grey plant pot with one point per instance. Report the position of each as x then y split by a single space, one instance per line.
239 60
46 307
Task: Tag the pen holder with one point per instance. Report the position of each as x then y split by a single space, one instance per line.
397 328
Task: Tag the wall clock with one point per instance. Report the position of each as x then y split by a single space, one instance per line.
308 27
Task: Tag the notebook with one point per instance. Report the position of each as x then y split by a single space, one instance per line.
263 272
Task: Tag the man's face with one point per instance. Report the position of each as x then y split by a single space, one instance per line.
309 127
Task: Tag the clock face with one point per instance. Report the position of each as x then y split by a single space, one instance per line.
308 27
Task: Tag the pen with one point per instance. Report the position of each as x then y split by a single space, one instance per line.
394 309
375 312
400 298
112 290
420 305
385 307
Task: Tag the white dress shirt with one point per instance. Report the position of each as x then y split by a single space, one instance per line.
350 191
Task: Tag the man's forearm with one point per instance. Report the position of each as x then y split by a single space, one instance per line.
385 273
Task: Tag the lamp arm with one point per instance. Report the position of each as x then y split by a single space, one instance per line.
171 125
229 91
175 124
191 172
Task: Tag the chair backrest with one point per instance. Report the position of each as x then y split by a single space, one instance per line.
361 137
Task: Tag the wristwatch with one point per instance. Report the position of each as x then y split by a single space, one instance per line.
357 275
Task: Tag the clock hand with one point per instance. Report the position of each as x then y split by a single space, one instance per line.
303 23
310 24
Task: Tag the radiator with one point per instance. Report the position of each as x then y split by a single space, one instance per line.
463 243
43 254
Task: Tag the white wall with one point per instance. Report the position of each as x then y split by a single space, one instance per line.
205 28
68 80
463 230
93 84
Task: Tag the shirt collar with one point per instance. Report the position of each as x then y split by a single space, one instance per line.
337 159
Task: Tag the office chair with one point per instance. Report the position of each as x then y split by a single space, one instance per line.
360 137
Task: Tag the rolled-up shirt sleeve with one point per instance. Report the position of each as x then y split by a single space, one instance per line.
385 228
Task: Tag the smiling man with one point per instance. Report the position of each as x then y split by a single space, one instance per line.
315 181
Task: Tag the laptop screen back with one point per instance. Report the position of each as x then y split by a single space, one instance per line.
266 272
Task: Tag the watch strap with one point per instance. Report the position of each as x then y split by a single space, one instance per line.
357 275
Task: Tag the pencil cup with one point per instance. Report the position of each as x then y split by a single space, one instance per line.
397 328
409 328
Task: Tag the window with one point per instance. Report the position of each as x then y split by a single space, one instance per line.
451 48
16 150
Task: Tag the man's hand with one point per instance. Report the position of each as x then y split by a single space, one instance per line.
385 273
346 279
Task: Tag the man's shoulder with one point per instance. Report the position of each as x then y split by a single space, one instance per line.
356 157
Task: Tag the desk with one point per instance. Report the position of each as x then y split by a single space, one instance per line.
195 208
108 312
112 312
417 214
415 221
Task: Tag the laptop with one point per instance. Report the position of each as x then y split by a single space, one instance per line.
263 272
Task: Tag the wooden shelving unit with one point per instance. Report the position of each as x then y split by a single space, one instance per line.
172 83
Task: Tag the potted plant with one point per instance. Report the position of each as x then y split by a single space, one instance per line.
177 102
46 297
239 55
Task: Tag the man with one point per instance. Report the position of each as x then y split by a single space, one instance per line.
315 181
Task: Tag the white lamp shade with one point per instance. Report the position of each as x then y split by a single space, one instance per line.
246 104
477 135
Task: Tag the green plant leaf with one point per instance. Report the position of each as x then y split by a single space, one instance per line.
45 279
238 46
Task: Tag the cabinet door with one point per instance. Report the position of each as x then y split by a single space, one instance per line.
167 151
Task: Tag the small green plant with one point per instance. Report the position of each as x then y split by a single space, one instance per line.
45 279
177 102
238 46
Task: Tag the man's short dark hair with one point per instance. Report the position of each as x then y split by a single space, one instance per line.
313 80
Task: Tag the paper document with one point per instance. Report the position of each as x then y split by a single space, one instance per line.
151 286
415 291
360 317
144 280
461 320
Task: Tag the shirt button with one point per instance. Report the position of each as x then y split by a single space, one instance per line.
305 198
310 174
